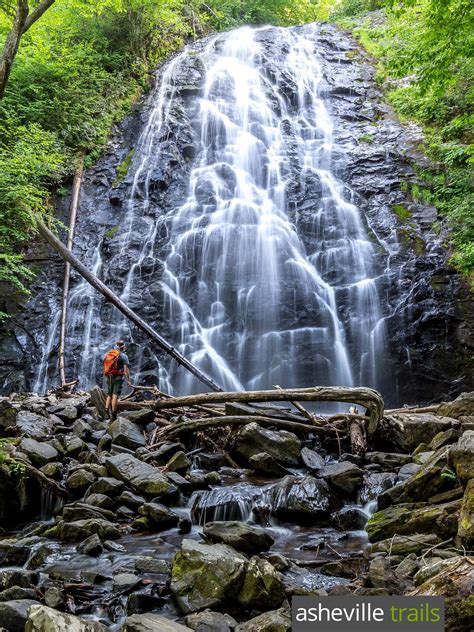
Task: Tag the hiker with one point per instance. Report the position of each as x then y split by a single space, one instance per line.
116 366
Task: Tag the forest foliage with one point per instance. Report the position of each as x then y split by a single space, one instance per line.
83 65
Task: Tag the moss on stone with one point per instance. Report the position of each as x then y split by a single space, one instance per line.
401 212
123 167
112 232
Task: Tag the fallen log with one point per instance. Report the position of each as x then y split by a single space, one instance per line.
413 409
76 188
96 283
299 407
357 438
369 398
212 422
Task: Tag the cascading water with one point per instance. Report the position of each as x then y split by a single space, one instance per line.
258 290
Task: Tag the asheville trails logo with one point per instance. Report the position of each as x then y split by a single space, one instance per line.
367 614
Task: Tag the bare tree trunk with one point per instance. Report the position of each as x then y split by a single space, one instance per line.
76 188
357 438
236 420
12 43
120 305
22 21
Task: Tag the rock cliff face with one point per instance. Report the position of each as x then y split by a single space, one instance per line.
125 234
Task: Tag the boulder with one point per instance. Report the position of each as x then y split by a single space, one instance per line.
38 453
44 619
100 500
67 412
387 460
142 477
91 546
125 582
141 417
382 576
179 462
267 465
209 621
18 592
109 486
462 406
8 414
405 545
453 580
312 460
82 429
80 480
283 446
262 587
349 519
410 429
466 517
426 482
407 567
14 614
461 456
303 498
409 518
273 621
152 565
159 515
33 425
81 529
126 434
205 576
152 623
82 511
444 438
239 535
344 475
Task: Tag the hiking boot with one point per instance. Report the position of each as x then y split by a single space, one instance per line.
113 416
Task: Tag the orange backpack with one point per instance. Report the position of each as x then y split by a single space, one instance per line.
110 363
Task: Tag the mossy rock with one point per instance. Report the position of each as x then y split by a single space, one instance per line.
206 576
262 587
466 517
412 518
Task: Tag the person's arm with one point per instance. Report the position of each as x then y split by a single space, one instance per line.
126 369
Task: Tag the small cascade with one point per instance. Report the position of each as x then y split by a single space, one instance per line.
235 502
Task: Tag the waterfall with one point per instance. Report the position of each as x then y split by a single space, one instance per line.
269 272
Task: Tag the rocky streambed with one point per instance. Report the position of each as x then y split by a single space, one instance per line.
106 527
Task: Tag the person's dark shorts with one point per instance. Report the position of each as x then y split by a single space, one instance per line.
115 384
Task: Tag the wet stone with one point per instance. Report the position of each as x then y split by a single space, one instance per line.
125 582
238 535
152 623
344 475
152 565
91 546
126 434
38 453
109 486
209 621
14 614
312 460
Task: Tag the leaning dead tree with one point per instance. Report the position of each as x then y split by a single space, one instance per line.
76 187
96 283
